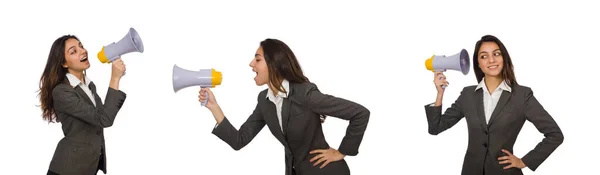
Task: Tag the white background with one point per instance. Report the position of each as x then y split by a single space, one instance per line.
369 52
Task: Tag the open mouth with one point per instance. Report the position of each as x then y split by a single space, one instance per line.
83 59
492 67
255 76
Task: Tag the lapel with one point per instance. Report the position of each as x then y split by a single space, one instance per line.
501 103
271 119
285 110
479 105
96 98
83 94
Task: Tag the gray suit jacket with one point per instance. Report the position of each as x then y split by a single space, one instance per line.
487 140
302 127
82 151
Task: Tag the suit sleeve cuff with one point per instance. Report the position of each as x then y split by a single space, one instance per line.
431 105
118 92
348 152
529 162
221 127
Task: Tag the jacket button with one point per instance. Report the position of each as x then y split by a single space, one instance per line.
486 132
485 145
98 132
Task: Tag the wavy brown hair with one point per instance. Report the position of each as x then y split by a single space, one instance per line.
508 73
53 74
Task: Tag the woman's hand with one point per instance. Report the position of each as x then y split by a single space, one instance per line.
514 161
212 102
326 156
439 79
118 68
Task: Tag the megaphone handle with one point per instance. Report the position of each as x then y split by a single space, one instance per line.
203 103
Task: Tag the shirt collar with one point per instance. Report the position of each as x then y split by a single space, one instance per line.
502 86
74 81
285 85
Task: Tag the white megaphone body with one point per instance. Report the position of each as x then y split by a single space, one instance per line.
130 43
205 78
459 62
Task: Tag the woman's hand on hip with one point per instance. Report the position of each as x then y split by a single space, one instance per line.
206 93
326 156
512 160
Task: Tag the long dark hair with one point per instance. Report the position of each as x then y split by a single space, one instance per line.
54 73
282 64
508 73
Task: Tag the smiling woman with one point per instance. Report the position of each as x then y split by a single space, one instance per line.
493 59
68 96
495 110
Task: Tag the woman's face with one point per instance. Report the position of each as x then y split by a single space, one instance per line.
490 59
259 66
76 57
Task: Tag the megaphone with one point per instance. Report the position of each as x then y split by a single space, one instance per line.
130 43
459 62
205 78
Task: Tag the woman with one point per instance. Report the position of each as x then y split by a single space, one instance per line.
68 96
495 111
291 108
